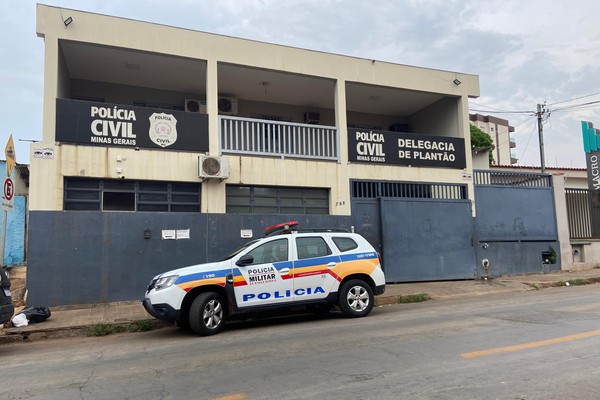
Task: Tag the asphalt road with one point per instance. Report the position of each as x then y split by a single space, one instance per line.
531 345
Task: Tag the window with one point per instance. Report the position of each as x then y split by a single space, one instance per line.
311 247
276 200
270 252
124 195
345 243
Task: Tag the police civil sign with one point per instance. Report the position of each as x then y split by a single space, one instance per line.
117 125
385 147
8 194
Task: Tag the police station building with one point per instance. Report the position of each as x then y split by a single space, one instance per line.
164 147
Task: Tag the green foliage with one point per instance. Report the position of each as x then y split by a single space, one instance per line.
481 140
143 325
105 328
414 298
552 257
574 282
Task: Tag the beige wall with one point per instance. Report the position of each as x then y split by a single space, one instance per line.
69 160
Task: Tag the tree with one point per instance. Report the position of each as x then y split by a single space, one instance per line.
482 141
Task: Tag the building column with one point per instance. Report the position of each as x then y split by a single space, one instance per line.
562 222
213 190
340 192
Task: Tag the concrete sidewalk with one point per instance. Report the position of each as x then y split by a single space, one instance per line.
74 320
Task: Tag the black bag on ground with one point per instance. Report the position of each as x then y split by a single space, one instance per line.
36 313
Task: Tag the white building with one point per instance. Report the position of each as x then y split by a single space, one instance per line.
499 130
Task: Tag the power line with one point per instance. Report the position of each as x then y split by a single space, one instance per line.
577 106
503 112
576 98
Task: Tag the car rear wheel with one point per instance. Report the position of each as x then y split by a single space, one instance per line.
207 314
356 298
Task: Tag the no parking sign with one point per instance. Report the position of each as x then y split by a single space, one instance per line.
8 194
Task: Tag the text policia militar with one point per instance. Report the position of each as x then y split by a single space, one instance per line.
405 148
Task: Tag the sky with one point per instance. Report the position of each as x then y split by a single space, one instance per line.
524 52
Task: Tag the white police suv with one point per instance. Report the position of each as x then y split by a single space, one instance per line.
289 268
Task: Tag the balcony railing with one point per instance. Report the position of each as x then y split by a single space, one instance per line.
281 139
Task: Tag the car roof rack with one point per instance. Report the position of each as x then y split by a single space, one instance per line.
322 230
291 227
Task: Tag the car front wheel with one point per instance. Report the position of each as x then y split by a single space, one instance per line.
207 314
356 298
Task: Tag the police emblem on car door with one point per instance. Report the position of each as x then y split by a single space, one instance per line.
267 272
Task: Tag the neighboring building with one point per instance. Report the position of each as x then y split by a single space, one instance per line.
164 147
499 130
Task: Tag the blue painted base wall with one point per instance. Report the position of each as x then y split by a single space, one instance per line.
14 245
95 257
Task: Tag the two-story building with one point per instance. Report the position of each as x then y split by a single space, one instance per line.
164 147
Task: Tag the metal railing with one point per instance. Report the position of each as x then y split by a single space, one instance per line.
397 190
281 139
511 178
583 211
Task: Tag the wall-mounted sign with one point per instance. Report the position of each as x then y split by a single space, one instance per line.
104 124
383 147
591 145
43 152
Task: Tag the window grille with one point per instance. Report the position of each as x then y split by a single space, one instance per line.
437 191
276 200
127 195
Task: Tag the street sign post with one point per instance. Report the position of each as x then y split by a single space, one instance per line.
11 157
8 192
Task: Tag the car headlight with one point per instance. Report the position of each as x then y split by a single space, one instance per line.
165 282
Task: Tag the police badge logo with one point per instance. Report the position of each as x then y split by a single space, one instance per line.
163 130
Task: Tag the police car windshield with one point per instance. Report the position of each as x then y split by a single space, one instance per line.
238 250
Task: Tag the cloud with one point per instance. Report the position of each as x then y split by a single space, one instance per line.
525 53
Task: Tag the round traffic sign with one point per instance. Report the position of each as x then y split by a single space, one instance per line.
8 190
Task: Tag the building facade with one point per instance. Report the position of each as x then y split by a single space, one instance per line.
499 130
164 147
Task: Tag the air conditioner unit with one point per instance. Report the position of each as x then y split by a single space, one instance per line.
228 106
213 167
311 117
197 106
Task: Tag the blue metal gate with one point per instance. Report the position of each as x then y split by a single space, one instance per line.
516 223
424 230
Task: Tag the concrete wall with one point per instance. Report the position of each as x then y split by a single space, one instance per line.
104 256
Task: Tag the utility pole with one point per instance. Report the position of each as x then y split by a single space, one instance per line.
541 110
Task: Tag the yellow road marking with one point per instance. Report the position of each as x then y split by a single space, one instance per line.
531 345
235 396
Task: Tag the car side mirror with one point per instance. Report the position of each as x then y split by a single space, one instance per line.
246 259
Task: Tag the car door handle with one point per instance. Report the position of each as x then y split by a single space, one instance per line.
331 265
284 271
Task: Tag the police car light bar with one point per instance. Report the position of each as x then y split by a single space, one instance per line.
285 227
